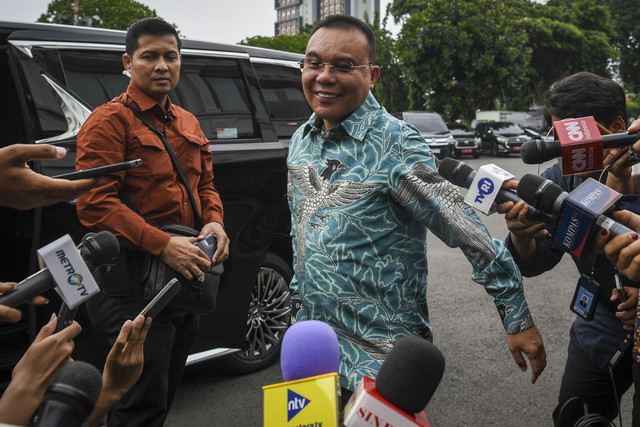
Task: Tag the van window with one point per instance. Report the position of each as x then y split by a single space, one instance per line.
212 89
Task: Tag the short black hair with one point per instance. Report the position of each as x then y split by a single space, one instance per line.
148 26
346 22
586 94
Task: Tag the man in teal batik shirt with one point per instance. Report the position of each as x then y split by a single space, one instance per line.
363 190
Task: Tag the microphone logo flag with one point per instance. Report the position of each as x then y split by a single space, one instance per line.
295 404
311 401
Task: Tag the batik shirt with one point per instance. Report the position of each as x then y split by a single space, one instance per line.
362 198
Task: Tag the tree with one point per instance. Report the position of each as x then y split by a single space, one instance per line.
112 14
459 56
626 17
295 43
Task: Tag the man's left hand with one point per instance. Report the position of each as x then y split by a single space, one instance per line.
222 252
530 343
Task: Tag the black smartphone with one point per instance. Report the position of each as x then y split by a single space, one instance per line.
208 245
163 297
101 170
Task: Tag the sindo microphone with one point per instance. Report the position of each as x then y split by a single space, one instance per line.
411 373
462 175
538 151
71 397
95 250
405 384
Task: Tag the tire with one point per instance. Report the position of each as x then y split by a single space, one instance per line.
268 318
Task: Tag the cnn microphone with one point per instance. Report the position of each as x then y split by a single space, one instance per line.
462 175
538 151
95 250
407 380
575 214
71 397
310 360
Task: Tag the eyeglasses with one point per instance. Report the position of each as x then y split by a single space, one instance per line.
341 67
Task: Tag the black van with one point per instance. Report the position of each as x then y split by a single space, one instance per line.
248 101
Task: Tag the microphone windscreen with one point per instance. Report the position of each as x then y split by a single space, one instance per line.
539 192
78 381
411 373
455 172
103 246
309 348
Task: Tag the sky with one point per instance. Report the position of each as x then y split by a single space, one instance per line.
222 21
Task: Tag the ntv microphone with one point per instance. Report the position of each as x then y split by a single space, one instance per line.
407 380
579 144
95 250
309 359
462 175
575 215
71 397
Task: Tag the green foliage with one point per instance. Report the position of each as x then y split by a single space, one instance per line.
459 56
626 18
296 43
112 14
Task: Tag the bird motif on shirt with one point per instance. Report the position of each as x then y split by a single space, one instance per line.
425 182
319 192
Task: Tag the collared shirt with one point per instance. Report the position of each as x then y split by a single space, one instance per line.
113 134
362 197
602 339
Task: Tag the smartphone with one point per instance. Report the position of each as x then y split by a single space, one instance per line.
208 245
163 297
101 170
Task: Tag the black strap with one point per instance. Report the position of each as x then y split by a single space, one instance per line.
176 164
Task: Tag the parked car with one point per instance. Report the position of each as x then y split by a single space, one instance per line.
433 130
501 138
248 102
466 141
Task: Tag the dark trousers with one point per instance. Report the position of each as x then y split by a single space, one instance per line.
636 394
584 380
165 352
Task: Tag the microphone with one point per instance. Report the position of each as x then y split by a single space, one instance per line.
462 175
71 397
575 214
95 250
309 359
538 151
407 380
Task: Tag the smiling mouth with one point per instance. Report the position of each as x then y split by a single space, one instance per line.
325 95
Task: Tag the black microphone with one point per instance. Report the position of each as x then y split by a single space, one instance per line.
406 381
462 175
574 213
538 151
95 250
71 397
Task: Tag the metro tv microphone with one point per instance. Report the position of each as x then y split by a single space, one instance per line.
462 175
579 144
71 397
405 384
576 214
309 359
96 250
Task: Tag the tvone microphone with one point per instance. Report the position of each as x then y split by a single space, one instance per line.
96 250
575 214
405 384
71 397
310 360
462 175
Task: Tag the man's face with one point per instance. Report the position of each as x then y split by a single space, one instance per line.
332 95
155 66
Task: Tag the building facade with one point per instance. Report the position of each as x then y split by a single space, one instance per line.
292 15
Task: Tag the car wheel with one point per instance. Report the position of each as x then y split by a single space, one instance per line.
268 318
